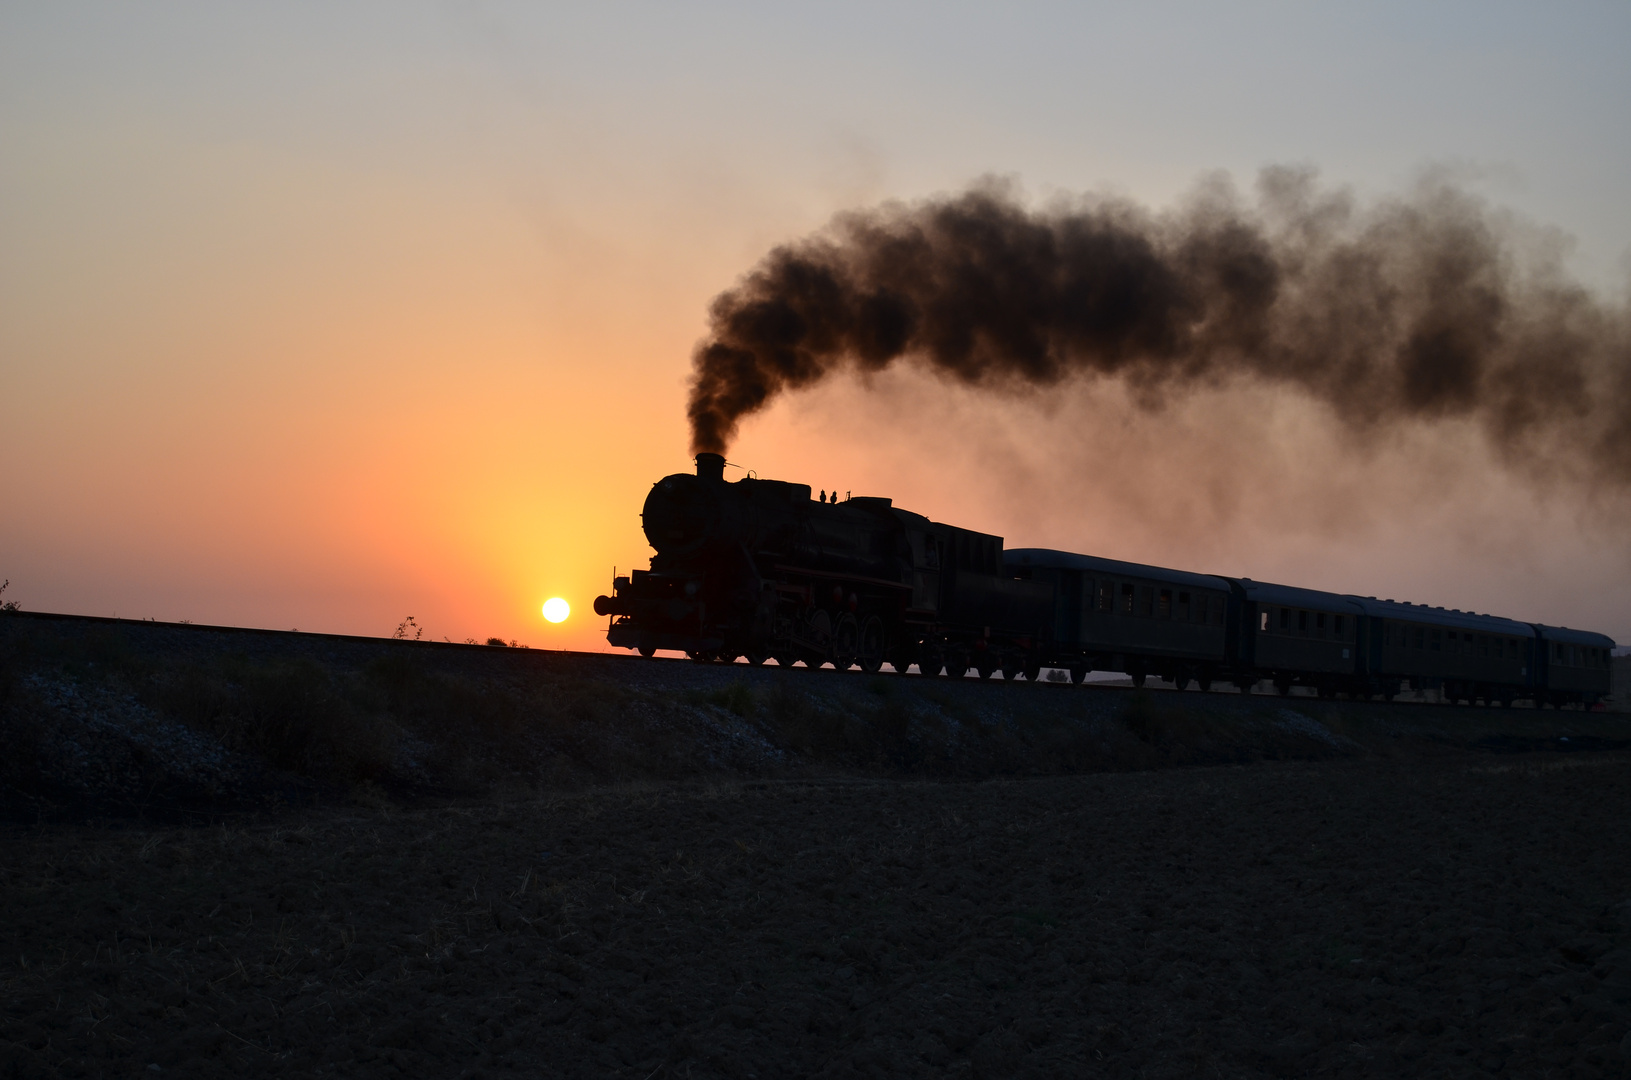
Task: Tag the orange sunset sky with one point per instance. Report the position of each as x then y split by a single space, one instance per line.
320 315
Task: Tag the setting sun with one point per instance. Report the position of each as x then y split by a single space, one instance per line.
556 610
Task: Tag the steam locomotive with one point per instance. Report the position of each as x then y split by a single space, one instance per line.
761 569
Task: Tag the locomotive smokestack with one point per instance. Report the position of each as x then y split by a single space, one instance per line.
711 467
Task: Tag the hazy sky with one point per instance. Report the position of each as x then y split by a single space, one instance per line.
319 315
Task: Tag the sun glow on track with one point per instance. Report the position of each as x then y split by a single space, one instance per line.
556 610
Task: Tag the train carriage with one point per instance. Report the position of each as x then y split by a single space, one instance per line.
1576 665
1120 616
1298 637
1461 654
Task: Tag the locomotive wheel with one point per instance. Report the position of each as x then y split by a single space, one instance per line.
984 667
1031 670
871 650
784 659
648 651
846 639
757 657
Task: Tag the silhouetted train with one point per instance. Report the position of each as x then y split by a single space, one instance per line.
760 569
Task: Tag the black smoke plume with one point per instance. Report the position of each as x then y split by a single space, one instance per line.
1424 308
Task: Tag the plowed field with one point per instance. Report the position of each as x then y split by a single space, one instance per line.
1459 915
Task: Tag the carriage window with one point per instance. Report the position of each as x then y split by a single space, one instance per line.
1200 609
1107 595
1217 612
1165 610
1434 644
1127 599
1302 622
1319 622
1146 601
1483 645
1285 618
1265 622
1512 648
1336 625
1183 606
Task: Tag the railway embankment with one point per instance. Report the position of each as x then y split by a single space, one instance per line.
114 718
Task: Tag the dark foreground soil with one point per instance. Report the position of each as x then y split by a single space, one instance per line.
1460 914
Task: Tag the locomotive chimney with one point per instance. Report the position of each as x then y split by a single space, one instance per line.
711 467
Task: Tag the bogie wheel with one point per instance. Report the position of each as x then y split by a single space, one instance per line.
1138 678
985 668
1031 670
